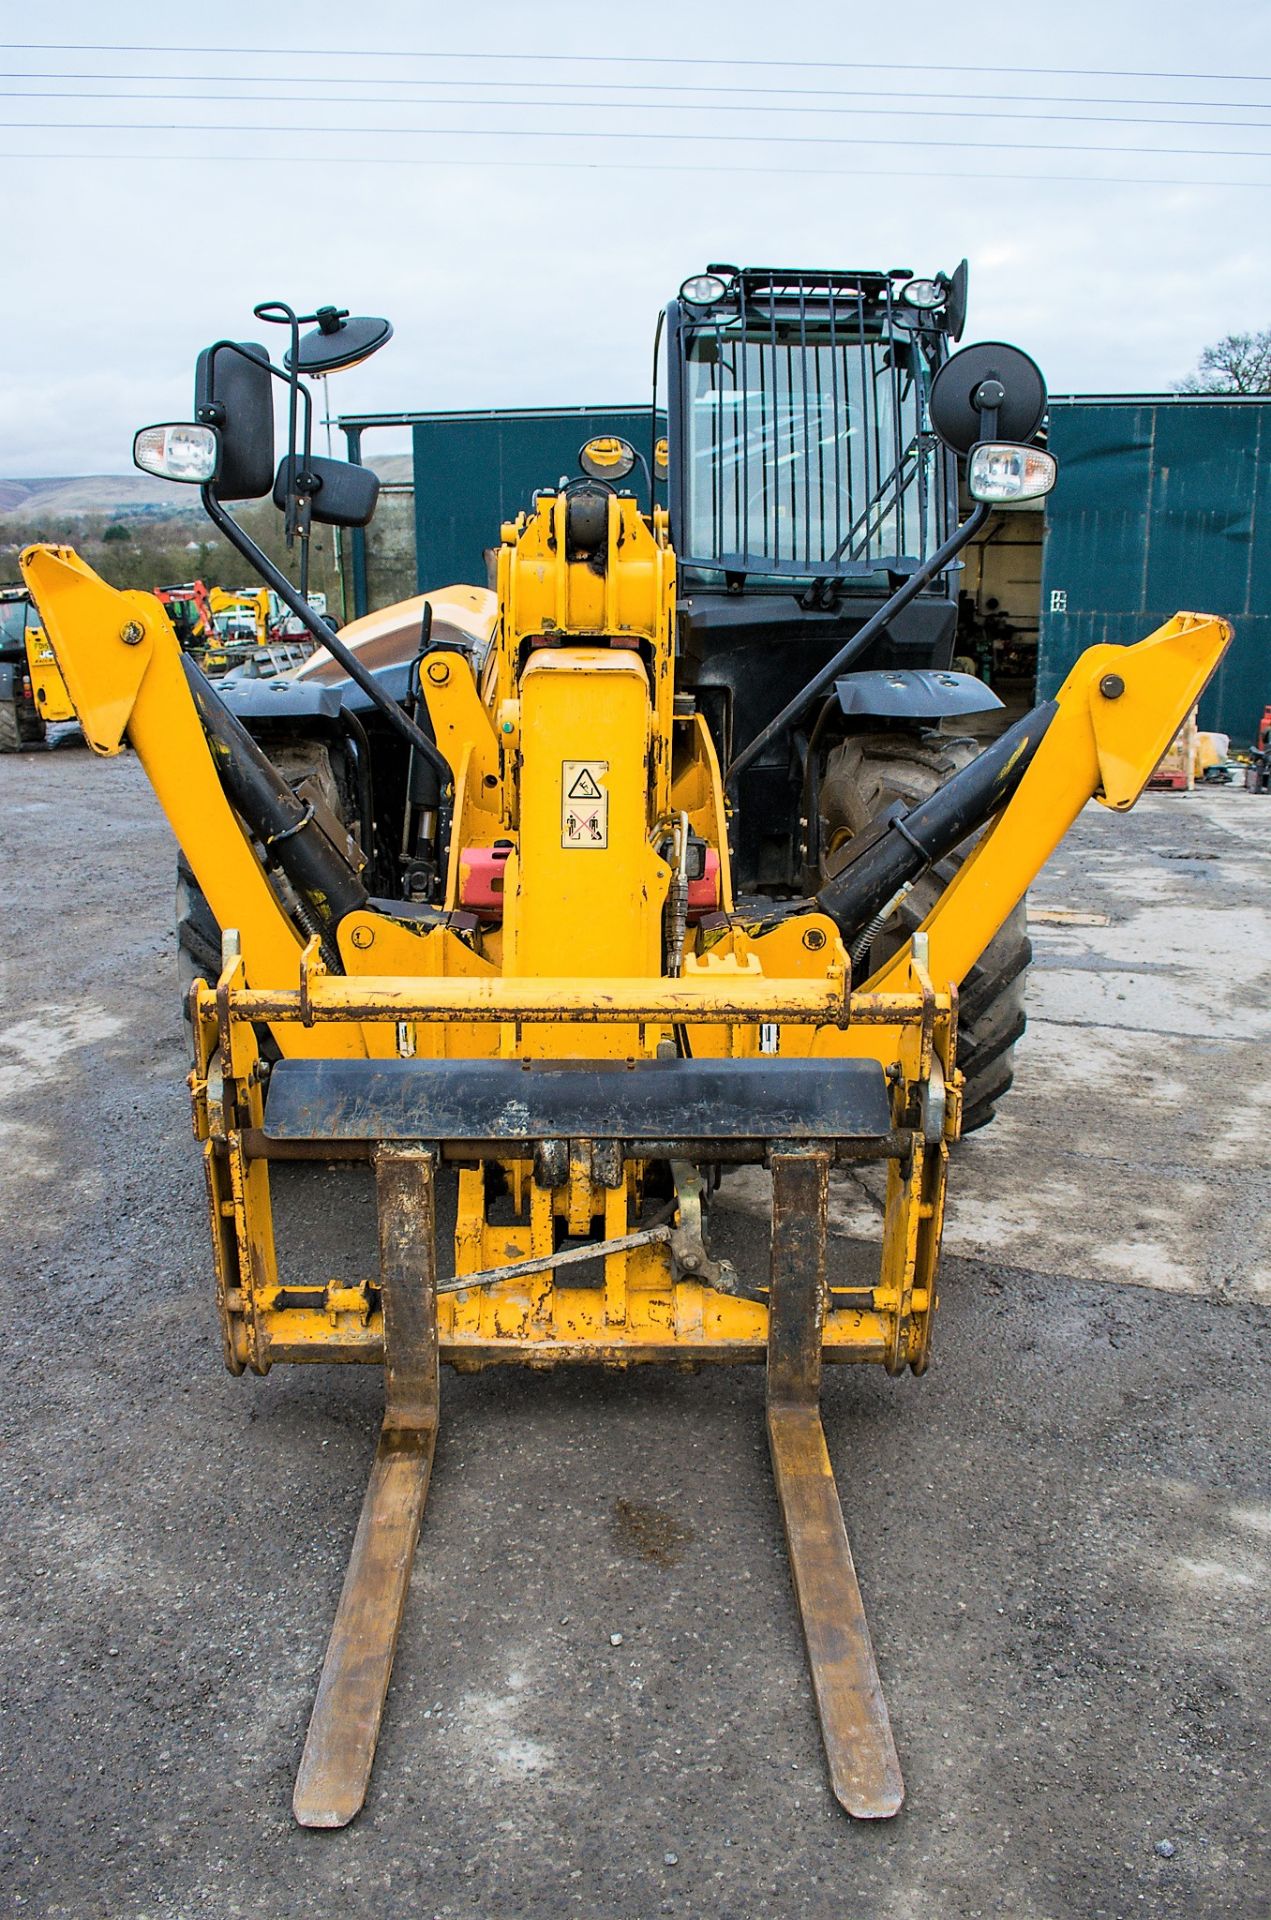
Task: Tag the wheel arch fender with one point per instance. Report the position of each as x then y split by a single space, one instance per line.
912 693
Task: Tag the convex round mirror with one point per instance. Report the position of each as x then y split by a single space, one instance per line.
178 450
607 457
964 390
339 340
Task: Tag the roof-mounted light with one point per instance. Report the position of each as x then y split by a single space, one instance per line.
703 290
925 294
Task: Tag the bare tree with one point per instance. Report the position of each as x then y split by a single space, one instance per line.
1238 363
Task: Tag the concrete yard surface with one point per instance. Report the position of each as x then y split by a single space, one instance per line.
600 1705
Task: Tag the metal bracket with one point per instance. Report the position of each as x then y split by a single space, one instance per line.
690 1256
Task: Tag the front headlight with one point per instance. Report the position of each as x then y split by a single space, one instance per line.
178 450
1003 473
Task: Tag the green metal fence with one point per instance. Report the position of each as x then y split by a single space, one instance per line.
471 472
1161 504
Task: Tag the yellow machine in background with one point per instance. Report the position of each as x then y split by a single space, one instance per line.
584 1026
252 605
47 684
32 693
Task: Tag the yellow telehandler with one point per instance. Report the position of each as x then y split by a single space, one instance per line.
32 694
605 926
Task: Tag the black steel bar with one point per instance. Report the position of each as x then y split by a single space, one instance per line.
840 428
807 447
275 578
868 421
772 452
854 647
895 1145
897 434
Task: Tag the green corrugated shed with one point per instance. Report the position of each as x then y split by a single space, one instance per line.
475 470
1161 504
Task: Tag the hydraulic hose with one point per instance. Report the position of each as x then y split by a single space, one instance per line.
326 884
901 846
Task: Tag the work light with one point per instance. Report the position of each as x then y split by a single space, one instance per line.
923 293
1003 474
703 289
178 450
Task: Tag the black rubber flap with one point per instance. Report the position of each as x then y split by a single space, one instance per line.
771 1099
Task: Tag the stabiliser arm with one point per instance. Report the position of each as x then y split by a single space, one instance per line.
127 677
1116 713
1099 738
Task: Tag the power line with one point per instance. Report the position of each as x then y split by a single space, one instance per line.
590 87
585 133
998 174
582 106
621 59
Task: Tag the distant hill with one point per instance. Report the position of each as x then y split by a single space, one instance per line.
109 493
122 495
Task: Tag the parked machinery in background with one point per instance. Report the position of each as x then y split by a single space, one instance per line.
33 694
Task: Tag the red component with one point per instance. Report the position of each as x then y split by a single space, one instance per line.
703 894
481 879
481 873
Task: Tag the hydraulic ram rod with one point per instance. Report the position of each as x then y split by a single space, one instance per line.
908 843
325 881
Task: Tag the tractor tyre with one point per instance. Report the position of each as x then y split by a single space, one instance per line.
21 725
865 774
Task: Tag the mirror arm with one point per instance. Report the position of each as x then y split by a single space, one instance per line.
295 517
653 410
907 591
273 577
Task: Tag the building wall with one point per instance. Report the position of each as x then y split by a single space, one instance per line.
473 471
1161 504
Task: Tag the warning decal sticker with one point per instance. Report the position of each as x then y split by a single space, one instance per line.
584 804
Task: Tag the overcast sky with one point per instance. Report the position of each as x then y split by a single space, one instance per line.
522 248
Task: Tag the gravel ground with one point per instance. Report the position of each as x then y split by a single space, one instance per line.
1063 1532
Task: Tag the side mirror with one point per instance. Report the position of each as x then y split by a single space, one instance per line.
662 458
340 494
987 392
607 457
339 340
955 301
233 392
1007 475
178 450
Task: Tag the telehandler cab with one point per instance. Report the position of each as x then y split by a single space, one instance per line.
587 899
